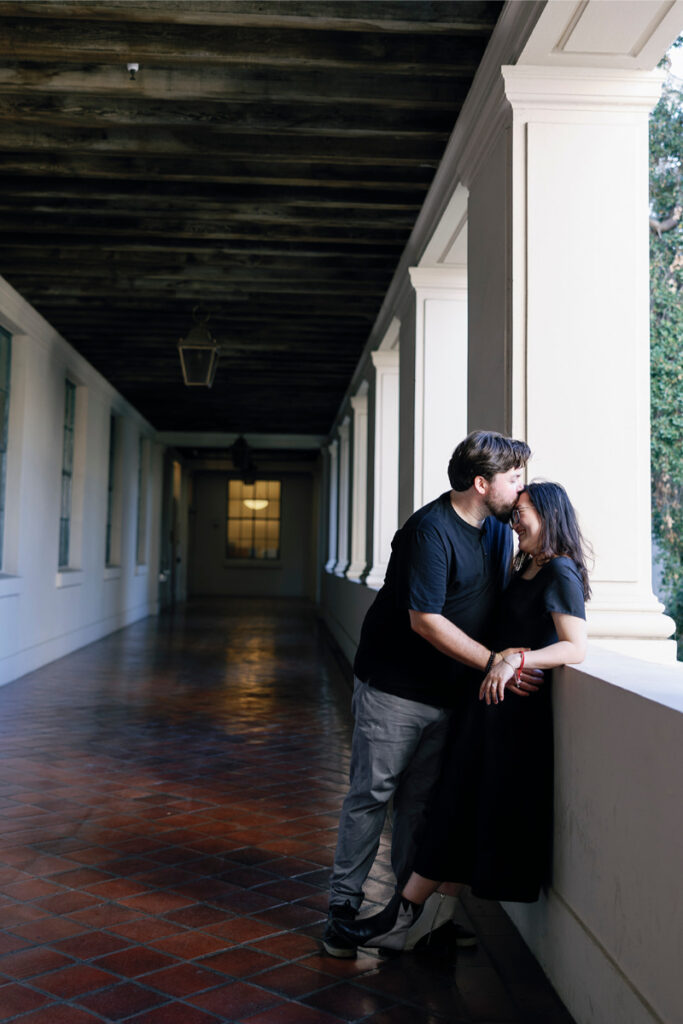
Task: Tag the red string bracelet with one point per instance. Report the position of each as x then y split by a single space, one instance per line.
521 666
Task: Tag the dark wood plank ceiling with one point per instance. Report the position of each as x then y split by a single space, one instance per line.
268 163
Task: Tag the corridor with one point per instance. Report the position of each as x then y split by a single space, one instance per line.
169 799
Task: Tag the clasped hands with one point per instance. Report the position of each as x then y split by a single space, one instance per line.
504 674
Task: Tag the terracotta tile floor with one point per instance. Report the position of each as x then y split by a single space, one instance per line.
168 805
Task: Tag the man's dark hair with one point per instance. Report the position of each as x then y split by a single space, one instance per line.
485 453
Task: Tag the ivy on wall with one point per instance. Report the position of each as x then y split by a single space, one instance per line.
666 338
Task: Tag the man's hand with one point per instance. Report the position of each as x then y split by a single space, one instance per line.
505 674
530 680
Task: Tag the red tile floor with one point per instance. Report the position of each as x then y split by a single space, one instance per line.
168 805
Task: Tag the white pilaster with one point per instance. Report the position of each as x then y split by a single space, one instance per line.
333 504
559 334
440 369
344 498
359 497
385 464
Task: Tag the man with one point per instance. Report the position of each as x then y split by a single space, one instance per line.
423 635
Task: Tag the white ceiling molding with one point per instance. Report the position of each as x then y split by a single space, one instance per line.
448 244
628 34
581 89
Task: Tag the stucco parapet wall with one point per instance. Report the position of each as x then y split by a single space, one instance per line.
661 683
581 89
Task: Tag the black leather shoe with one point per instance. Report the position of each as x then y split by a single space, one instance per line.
334 943
386 930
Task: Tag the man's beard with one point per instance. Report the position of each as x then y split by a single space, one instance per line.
501 510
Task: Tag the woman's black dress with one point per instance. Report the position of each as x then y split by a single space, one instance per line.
490 822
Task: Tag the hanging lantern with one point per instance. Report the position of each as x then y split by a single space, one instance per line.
198 355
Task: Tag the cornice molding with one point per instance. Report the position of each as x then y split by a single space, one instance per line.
359 402
438 278
385 359
581 89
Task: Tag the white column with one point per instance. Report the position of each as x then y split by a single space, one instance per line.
440 367
359 503
384 498
333 502
559 332
344 498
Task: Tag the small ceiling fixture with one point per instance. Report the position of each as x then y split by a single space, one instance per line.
132 68
256 504
198 354
243 461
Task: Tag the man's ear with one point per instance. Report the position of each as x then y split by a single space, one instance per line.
481 485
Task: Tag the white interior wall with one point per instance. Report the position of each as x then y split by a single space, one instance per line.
45 614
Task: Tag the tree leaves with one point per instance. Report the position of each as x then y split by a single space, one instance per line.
666 338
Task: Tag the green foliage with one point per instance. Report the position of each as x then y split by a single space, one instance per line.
666 332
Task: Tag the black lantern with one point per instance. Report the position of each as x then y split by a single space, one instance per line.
198 355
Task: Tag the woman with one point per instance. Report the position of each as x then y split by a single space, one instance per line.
490 819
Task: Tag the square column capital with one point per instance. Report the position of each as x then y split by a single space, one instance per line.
359 401
535 91
385 360
439 279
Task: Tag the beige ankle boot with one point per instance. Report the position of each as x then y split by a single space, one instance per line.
438 909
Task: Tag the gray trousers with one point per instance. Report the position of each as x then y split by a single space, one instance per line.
396 751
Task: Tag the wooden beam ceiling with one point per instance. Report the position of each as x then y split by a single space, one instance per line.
268 163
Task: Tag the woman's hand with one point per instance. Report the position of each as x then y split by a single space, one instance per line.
503 674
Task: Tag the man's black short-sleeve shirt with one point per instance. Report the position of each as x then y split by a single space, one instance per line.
440 564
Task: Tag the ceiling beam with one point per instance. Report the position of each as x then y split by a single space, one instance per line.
413 16
164 44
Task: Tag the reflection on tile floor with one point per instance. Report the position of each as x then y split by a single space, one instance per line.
168 807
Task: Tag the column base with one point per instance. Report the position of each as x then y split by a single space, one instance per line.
641 632
355 571
375 578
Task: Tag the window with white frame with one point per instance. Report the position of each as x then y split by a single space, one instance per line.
67 472
253 520
5 364
143 477
112 555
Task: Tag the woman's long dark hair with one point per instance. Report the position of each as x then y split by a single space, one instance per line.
560 533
